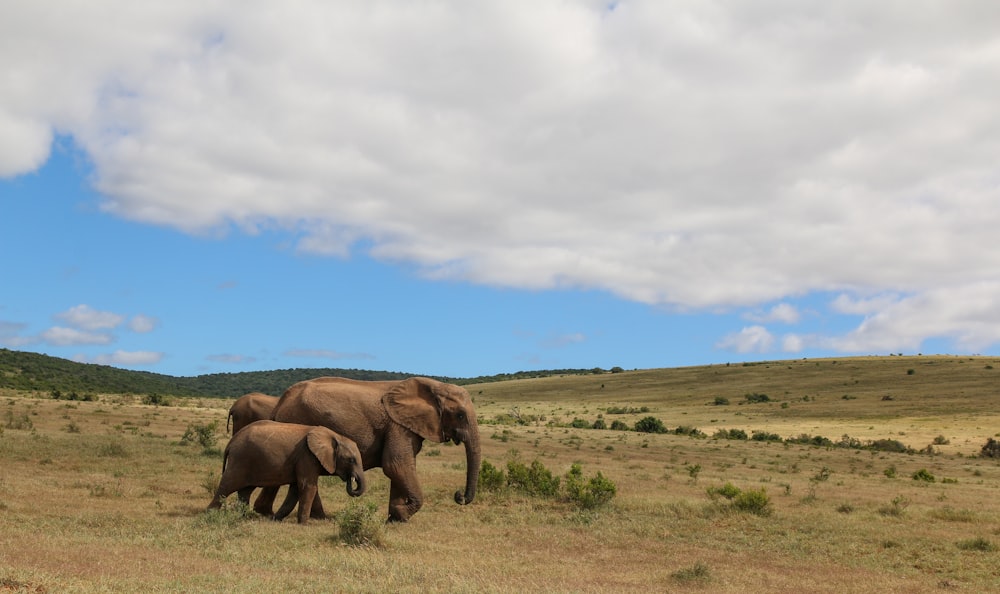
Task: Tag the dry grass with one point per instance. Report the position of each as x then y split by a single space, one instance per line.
100 496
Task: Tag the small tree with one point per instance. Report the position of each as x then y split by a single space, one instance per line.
650 425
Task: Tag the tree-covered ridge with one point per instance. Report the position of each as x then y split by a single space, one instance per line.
21 370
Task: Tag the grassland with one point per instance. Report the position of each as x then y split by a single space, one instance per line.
103 496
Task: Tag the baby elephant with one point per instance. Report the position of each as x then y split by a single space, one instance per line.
270 454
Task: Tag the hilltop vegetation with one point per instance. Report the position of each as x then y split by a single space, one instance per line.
41 373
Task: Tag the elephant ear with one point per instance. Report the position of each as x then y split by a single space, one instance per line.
321 444
413 404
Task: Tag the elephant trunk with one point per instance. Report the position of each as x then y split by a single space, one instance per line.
356 484
473 458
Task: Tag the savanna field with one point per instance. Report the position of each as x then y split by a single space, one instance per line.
826 475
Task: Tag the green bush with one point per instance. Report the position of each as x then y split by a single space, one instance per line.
491 478
731 434
201 434
923 475
765 436
588 494
753 501
361 525
721 401
650 425
728 490
755 397
889 445
579 423
533 480
600 424
991 449
619 425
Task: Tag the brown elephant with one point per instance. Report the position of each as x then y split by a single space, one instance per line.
271 454
389 421
249 408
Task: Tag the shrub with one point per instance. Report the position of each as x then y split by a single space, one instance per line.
923 475
156 400
889 445
619 425
729 491
588 494
579 423
991 449
491 478
650 425
731 434
600 424
896 507
360 524
753 501
533 480
765 436
755 397
202 434
689 430
721 401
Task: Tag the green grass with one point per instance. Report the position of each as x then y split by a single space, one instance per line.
118 506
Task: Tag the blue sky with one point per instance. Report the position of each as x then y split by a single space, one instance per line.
463 191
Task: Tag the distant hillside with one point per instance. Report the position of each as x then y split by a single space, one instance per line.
21 370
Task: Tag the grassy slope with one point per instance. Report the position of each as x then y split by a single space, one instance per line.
115 505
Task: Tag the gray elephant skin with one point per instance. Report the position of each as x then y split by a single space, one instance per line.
251 407
271 454
389 421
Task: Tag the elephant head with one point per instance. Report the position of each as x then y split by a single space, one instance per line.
339 457
439 412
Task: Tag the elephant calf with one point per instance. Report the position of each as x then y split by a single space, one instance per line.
271 454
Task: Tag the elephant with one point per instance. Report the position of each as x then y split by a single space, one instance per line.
389 420
271 454
249 408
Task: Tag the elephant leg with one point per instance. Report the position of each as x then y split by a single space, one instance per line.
244 495
405 495
265 501
317 512
225 487
307 494
291 498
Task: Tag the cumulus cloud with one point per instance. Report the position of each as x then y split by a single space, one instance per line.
692 155
752 339
62 336
124 358
142 324
782 312
85 317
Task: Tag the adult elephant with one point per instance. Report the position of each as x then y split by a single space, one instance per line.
389 422
249 408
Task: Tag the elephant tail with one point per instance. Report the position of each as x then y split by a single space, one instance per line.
228 418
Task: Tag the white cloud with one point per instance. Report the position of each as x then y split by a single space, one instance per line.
61 336
85 317
10 335
782 312
752 339
142 324
124 358
694 155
